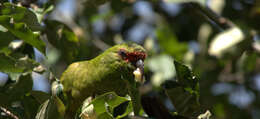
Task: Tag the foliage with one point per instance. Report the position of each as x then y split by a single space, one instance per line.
105 106
201 55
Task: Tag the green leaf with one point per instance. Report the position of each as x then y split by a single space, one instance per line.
169 43
6 39
41 12
16 91
63 38
205 115
247 62
187 79
184 93
16 65
40 96
219 45
127 107
21 31
105 115
8 64
30 106
50 109
105 104
184 103
14 76
21 14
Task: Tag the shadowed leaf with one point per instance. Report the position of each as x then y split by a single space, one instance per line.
63 38
40 96
184 93
50 109
16 91
15 65
6 38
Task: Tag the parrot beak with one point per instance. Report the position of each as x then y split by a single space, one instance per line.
139 72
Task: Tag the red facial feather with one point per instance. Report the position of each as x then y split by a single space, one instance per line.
133 56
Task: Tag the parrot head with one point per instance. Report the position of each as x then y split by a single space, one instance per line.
132 56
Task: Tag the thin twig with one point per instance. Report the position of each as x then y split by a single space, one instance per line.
8 113
217 20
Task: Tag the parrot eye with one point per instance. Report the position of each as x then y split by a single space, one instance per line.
122 53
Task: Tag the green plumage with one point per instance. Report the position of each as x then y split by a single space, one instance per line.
107 72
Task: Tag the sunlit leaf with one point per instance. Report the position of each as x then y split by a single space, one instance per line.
206 115
21 31
105 104
225 40
21 14
163 68
41 12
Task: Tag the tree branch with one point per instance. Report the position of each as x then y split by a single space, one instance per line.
8 113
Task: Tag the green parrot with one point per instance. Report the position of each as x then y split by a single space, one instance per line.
114 70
